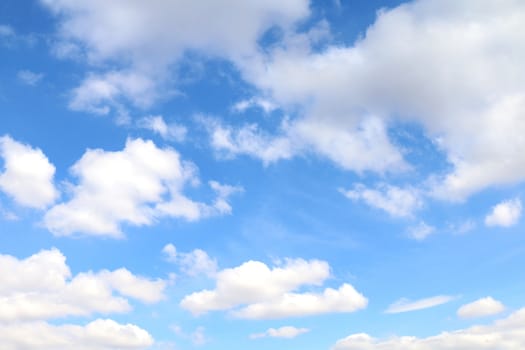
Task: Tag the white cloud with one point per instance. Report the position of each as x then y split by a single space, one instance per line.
287 332
134 186
487 306
397 201
29 78
157 124
193 263
249 140
101 334
99 93
42 287
343 299
504 334
406 68
136 33
506 213
266 105
420 231
253 290
405 305
27 175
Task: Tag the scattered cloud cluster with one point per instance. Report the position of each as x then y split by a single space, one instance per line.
42 287
255 291
504 334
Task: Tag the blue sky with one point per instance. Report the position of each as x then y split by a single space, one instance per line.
227 174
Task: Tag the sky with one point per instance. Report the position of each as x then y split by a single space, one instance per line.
340 175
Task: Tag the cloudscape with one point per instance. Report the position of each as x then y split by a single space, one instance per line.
228 174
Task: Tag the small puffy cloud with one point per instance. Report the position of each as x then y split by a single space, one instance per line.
287 332
197 337
420 231
255 291
504 334
406 305
193 263
42 287
100 334
397 201
28 77
27 176
487 306
505 214
135 186
156 123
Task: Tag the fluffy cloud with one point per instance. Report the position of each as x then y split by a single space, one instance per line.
193 263
287 332
101 334
134 186
28 175
407 68
343 299
405 305
138 33
399 202
42 287
253 290
505 334
487 306
506 213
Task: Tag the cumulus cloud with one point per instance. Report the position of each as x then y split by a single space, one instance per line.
287 332
506 213
42 287
397 201
255 291
137 32
406 68
101 334
406 305
27 176
135 186
193 263
157 124
504 334
487 306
